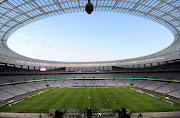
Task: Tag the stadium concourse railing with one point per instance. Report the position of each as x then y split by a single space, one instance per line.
90 79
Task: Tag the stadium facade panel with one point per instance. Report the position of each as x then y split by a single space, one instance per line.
15 14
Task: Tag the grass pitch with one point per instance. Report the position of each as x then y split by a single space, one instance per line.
96 98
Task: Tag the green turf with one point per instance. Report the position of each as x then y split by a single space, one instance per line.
77 98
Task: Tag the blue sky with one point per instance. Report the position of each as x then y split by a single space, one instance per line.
100 36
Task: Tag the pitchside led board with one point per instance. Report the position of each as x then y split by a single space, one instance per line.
43 69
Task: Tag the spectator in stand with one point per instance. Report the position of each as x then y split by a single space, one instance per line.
124 114
40 116
140 115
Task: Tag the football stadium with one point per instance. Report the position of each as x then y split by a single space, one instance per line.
145 87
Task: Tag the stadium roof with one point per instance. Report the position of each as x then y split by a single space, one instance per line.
15 14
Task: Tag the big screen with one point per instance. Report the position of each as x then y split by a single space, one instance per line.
43 68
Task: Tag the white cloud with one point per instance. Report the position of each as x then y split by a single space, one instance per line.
37 31
39 35
22 36
49 45
42 38
36 36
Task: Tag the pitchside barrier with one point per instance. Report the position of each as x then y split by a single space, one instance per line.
106 112
73 112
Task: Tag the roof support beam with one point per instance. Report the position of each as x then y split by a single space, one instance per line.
40 8
56 1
